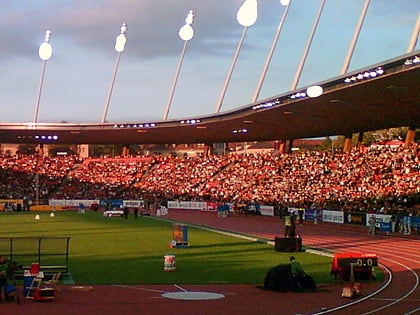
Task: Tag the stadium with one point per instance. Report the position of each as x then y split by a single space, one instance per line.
357 197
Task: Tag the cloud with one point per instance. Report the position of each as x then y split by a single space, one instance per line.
152 26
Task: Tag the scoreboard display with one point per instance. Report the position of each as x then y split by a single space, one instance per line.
361 260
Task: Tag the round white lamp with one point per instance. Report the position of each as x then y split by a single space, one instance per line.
186 32
121 39
247 13
45 49
314 91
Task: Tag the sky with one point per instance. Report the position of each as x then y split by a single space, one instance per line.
78 76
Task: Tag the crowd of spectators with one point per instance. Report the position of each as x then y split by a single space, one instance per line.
102 178
22 175
176 177
375 179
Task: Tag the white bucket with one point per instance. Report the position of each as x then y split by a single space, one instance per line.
169 263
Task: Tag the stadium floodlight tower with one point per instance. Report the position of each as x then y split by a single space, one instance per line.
355 37
186 33
120 41
246 16
308 45
45 53
286 4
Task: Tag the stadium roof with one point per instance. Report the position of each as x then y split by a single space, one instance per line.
381 96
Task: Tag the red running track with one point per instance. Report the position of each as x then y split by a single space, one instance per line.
398 254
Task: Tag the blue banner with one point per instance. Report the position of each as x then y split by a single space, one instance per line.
385 226
311 213
111 203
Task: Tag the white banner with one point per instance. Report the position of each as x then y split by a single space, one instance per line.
333 216
133 203
187 205
386 218
267 210
71 202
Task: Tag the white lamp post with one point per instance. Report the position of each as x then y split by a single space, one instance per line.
120 41
246 16
186 33
273 47
45 53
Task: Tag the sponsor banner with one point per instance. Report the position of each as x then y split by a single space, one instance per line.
57 202
71 202
293 210
113 203
415 221
3 201
267 210
187 205
133 203
355 218
10 202
385 226
379 218
211 206
332 216
310 215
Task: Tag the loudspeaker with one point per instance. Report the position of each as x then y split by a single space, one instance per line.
288 244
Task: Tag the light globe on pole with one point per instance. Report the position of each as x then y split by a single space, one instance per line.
284 2
247 13
246 16
120 41
186 32
45 53
45 49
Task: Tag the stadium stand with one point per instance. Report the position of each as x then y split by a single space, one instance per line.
381 179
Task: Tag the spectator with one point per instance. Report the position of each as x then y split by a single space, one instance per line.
379 179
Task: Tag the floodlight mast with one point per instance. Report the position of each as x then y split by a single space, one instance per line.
120 41
45 53
415 36
246 16
308 45
286 4
186 33
359 25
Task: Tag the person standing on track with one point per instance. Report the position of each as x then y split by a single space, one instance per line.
372 227
287 224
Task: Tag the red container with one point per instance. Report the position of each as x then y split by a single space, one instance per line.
34 268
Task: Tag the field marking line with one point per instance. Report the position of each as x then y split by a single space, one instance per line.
393 299
405 295
362 299
413 311
181 288
136 288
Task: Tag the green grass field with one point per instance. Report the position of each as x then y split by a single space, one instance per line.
115 250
